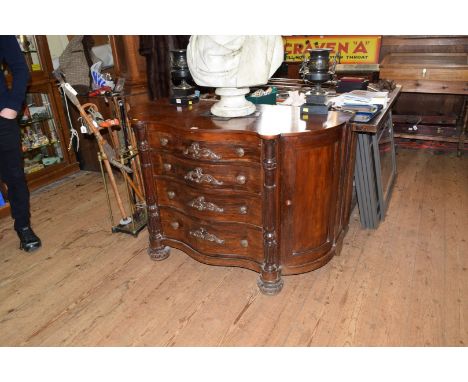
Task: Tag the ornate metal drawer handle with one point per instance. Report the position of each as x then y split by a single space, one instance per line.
175 225
164 141
243 210
167 166
197 176
244 243
200 204
197 152
171 194
203 234
240 152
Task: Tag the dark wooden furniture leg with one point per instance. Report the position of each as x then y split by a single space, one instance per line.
270 281
156 250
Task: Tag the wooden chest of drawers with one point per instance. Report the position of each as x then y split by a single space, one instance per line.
269 192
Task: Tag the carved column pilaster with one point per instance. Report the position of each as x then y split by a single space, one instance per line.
270 281
156 250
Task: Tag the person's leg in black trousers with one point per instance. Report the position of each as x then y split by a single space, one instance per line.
12 174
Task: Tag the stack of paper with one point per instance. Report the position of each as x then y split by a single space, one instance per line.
364 104
359 97
366 97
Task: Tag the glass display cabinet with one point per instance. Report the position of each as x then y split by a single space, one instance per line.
44 129
29 47
40 139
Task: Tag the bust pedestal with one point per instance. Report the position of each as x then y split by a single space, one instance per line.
232 103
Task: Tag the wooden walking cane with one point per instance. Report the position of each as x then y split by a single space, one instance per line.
124 169
129 136
103 145
105 149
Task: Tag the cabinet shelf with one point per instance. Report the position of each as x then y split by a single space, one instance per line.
40 146
40 168
437 138
33 121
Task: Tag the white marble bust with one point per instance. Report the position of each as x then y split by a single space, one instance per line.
232 64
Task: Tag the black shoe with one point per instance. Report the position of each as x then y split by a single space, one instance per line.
28 239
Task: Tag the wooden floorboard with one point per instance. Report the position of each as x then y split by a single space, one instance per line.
404 284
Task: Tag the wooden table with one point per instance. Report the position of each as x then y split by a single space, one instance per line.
432 73
375 170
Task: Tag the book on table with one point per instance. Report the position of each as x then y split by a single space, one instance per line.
363 113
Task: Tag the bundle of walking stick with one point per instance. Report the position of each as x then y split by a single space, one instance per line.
120 153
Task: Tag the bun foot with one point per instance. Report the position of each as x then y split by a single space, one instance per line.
159 253
270 288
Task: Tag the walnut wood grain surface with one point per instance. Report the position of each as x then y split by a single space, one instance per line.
270 120
222 205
